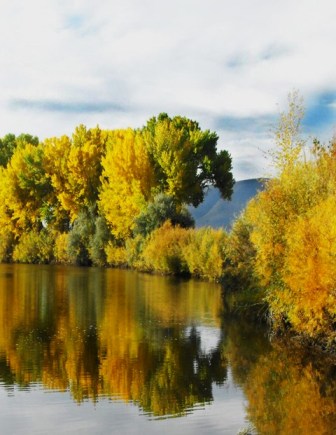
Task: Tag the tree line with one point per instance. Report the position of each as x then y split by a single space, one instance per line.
95 198
120 198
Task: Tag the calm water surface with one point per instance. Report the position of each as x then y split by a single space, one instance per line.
96 351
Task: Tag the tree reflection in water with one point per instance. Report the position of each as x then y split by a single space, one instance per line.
109 333
156 342
289 389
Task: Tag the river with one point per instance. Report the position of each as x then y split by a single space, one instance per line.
106 351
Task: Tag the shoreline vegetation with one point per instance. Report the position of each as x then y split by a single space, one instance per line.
119 198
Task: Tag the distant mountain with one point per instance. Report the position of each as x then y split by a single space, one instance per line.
216 212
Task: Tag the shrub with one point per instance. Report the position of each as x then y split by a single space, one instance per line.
240 261
134 248
205 252
163 251
34 247
309 299
6 246
61 248
115 255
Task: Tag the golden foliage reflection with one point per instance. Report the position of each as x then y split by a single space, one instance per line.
138 338
109 333
290 392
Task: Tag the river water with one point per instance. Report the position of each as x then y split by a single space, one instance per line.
103 351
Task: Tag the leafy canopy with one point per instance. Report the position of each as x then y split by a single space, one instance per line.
185 159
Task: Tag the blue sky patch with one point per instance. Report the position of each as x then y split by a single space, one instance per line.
255 124
65 106
321 112
74 21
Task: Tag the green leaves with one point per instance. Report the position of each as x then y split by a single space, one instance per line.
185 159
10 142
162 208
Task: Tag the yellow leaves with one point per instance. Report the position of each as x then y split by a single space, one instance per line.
289 144
48 183
294 233
127 181
6 223
6 244
273 210
74 167
33 247
310 268
24 188
200 252
164 250
205 253
61 248
115 255
285 396
171 150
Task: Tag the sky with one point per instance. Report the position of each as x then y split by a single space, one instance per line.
229 65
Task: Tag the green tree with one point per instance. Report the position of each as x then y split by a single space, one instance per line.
10 142
7 146
186 160
162 208
79 238
99 241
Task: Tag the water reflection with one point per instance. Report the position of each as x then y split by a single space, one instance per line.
290 389
158 343
110 333
292 393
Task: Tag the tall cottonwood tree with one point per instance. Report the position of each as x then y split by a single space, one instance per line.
127 181
172 156
185 159
74 168
25 189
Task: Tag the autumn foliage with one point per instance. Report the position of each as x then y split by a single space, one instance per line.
96 196
90 334
293 231
120 197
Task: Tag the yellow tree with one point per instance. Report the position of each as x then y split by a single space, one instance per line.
6 224
309 271
25 189
127 181
56 155
285 197
74 167
289 143
293 231
10 142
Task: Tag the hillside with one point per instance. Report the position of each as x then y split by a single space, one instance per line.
216 212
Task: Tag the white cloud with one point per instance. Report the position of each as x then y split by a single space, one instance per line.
201 59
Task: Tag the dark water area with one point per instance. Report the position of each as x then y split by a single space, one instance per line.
103 351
